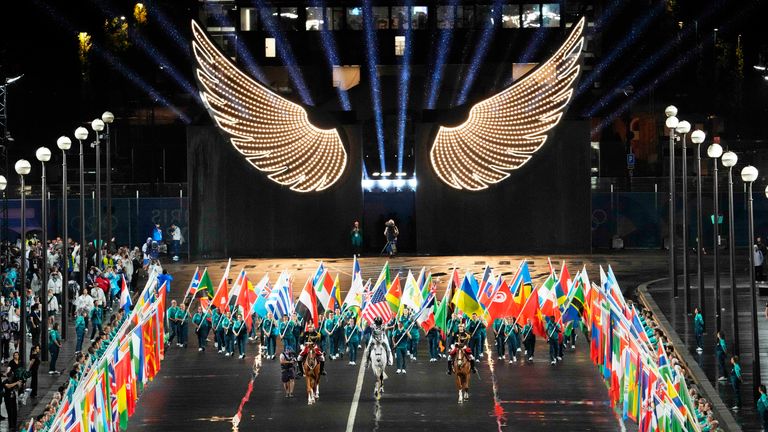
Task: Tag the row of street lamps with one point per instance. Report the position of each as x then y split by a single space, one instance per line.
23 167
748 175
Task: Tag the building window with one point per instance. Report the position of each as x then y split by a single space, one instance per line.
314 19
531 15
249 18
446 15
227 44
399 18
465 16
269 47
380 17
399 45
355 18
289 18
335 17
483 16
510 16
219 17
419 17
550 14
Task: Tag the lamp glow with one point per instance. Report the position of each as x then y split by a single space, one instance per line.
670 111
729 159
698 137
64 143
81 133
714 150
97 125
3 183
671 122
22 167
749 174
683 127
43 154
107 117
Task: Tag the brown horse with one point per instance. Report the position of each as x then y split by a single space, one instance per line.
311 369
461 370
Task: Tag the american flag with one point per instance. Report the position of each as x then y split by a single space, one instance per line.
378 306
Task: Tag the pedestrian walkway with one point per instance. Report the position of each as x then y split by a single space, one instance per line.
675 312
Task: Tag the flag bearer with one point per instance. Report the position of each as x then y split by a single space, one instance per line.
433 341
240 334
553 337
453 328
270 328
327 328
474 328
286 333
401 336
499 337
182 324
172 323
415 333
352 338
218 332
529 340
512 337
202 327
225 325
483 336
337 337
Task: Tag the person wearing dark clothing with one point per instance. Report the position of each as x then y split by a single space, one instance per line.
34 365
391 232
34 323
11 386
356 236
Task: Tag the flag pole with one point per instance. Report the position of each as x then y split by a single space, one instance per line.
210 304
190 285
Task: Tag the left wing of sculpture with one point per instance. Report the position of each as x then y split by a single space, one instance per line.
273 133
505 130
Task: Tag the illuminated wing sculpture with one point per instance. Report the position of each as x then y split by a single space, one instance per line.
273 134
505 130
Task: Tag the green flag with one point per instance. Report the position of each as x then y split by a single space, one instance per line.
206 285
441 315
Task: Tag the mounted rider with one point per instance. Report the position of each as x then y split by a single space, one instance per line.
461 339
314 337
379 334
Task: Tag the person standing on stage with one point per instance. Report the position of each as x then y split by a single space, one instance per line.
453 328
225 325
698 329
474 329
499 336
202 327
721 349
326 329
172 323
269 327
338 335
400 337
356 237
391 232
529 340
286 333
287 368
352 339
553 337
240 334
182 325
433 343
512 335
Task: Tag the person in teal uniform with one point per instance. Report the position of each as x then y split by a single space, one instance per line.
182 325
80 330
286 333
352 338
512 338
762 407
529 339
553 337
297 328
736 382
483 336
202 327
433 343
415 333
400 337
225 325
698 329
356 237
453 328
474 329
338 335
218 332
499 337
270 328
326 329
172 322
240 334
54 345
97 318
721 349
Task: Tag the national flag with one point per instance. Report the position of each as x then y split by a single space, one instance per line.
487 274
318 274
205 287
235 291
441 314
354 297
453 283
245 299
674 396
487 290
73 418
465 298
137 356
411 295
125 300
335 301
122 372
323 289
501 305
393 293
356 271
152 363
521 287
280 301
425 315
378 306
563 285
308 298
547 299
221 298
193 285
530 309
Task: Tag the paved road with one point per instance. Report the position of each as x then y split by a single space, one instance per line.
204 390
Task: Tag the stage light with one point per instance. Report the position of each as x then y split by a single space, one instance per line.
405 80
759 67
285 51
376 174
272 133
505 130
412 183
400 174
399 183
332 55
369 29
385 184
481 49
386 173
367 184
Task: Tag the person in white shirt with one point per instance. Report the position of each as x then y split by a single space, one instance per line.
54 284
177 239
53 304
98 294
84 302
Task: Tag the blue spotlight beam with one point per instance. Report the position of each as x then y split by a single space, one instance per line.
636 29
607 15
114 62
405 78
244 55
479 55
152 52
332 55
371 61
648 64
533 46
155 13
438 69
285 51
687 57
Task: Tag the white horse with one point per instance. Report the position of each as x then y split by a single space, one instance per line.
378 358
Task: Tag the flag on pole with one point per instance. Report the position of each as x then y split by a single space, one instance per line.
308 298
323 289
393 293
205 286
563 284
193 284
465 298
354 297
501 305
221 298
378 306
125 300
280 301
411 295
425 316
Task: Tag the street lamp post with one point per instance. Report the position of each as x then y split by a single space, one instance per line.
108 118
729 159
698 139
683 128
43 154
22 168
98 126
714 151
3 185
81 133
672 123
64 143
749 175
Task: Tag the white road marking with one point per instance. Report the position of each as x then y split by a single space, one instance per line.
356 397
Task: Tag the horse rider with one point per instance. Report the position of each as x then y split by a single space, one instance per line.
314 337
462 339
379 334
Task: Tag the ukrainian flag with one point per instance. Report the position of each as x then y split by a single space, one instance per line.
465 298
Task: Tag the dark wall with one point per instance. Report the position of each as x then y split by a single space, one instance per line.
236 211
544 206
